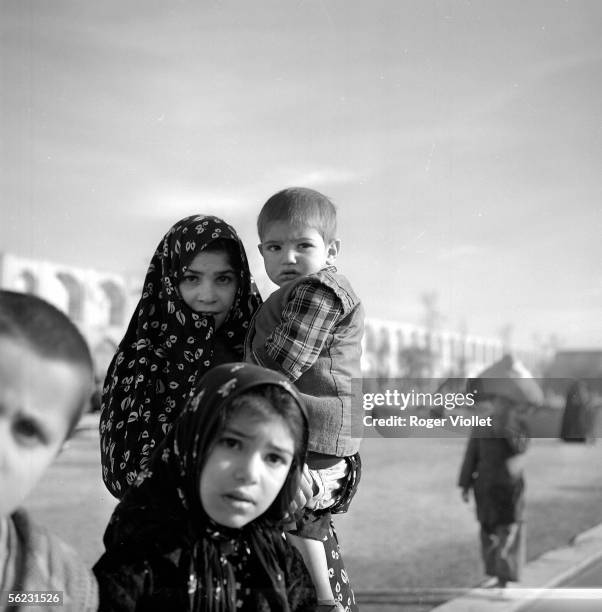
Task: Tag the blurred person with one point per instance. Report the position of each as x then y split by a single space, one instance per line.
310 329
493 466
45 384
201 529
579 416
197 301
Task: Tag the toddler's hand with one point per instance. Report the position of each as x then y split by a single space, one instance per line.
305 493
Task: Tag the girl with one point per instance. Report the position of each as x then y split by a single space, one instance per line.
201 529
196 304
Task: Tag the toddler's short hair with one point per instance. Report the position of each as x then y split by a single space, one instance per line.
300 206
47 331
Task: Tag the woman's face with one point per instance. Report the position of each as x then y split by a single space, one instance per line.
246 469
209 285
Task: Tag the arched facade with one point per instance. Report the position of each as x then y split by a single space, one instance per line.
97 302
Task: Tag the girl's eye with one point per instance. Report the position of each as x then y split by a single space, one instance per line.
276 459
28 433
224 280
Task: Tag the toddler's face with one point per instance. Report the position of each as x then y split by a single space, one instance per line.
38 398
290 252
246 469
209 285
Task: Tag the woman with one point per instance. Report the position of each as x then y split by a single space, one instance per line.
196 304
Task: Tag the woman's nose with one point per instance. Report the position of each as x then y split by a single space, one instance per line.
206 292
247 468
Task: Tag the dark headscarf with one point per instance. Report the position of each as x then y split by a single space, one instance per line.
162 514
166 348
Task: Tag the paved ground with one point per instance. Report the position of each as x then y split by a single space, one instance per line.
408 532
583 593
566 579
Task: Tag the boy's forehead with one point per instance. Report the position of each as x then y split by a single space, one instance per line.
37 383
284 230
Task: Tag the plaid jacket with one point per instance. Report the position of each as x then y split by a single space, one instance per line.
311 329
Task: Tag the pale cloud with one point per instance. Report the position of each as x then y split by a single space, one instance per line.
325 176
460 251
174 202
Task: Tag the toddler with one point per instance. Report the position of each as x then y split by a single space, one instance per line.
311 330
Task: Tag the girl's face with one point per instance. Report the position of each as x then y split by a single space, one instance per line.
245 470
209 285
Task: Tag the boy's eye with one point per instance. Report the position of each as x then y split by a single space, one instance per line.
272 248
28 432
229 442
306 245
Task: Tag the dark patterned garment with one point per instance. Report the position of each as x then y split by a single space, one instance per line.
162 550
339 580
166 349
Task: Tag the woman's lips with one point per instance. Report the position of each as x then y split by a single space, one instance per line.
239 499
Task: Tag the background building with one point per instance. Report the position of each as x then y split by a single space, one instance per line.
101 303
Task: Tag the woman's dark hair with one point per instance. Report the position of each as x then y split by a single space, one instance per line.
267 400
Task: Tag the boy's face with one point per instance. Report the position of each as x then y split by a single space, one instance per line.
38 398
290 252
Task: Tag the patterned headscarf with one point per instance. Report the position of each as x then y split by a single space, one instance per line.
162 513
166 348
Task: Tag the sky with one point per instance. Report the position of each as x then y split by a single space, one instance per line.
460 141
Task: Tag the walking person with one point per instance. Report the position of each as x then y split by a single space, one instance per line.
493 466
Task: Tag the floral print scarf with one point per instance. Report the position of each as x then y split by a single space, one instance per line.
161 515
166 349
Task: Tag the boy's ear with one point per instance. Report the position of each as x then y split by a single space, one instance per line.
64 446
334 248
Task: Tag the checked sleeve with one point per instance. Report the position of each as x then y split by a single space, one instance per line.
308 317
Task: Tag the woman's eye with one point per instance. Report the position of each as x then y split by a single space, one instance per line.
190 279
28 433
224 280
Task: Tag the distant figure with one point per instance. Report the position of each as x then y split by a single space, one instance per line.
578 419
45 383
492 465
